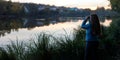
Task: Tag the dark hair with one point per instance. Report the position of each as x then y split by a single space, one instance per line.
96 30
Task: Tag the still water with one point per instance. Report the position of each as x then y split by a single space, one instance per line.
25 29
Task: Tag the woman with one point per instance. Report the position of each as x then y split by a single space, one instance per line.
92 33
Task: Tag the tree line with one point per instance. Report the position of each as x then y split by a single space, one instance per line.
16 9
13 9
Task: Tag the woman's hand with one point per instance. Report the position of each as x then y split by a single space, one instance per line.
87 18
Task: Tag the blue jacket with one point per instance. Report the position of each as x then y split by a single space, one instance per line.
89 36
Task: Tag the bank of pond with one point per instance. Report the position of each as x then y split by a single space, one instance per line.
47 47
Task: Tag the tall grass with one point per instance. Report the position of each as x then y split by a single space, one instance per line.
42 49
47 47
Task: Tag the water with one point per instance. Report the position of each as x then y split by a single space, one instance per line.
24 29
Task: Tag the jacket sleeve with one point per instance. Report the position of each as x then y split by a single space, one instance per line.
84 25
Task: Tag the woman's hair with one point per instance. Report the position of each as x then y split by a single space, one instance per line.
96 30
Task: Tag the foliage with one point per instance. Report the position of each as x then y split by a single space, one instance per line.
9 8
110 43
16 9
115 5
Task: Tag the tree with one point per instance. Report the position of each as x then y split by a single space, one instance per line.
16 8
115 5
1 0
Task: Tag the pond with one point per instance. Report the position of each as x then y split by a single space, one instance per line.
24 29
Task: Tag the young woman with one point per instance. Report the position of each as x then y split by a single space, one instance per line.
93 31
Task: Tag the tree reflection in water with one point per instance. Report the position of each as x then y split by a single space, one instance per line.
10 25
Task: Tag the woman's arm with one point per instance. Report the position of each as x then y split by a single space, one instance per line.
84 25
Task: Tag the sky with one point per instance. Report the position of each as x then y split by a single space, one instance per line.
92 4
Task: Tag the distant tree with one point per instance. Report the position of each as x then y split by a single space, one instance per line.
3 7
16 8
100 8
1 0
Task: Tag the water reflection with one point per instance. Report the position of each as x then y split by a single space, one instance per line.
106 22
24 28
6 26
14 24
